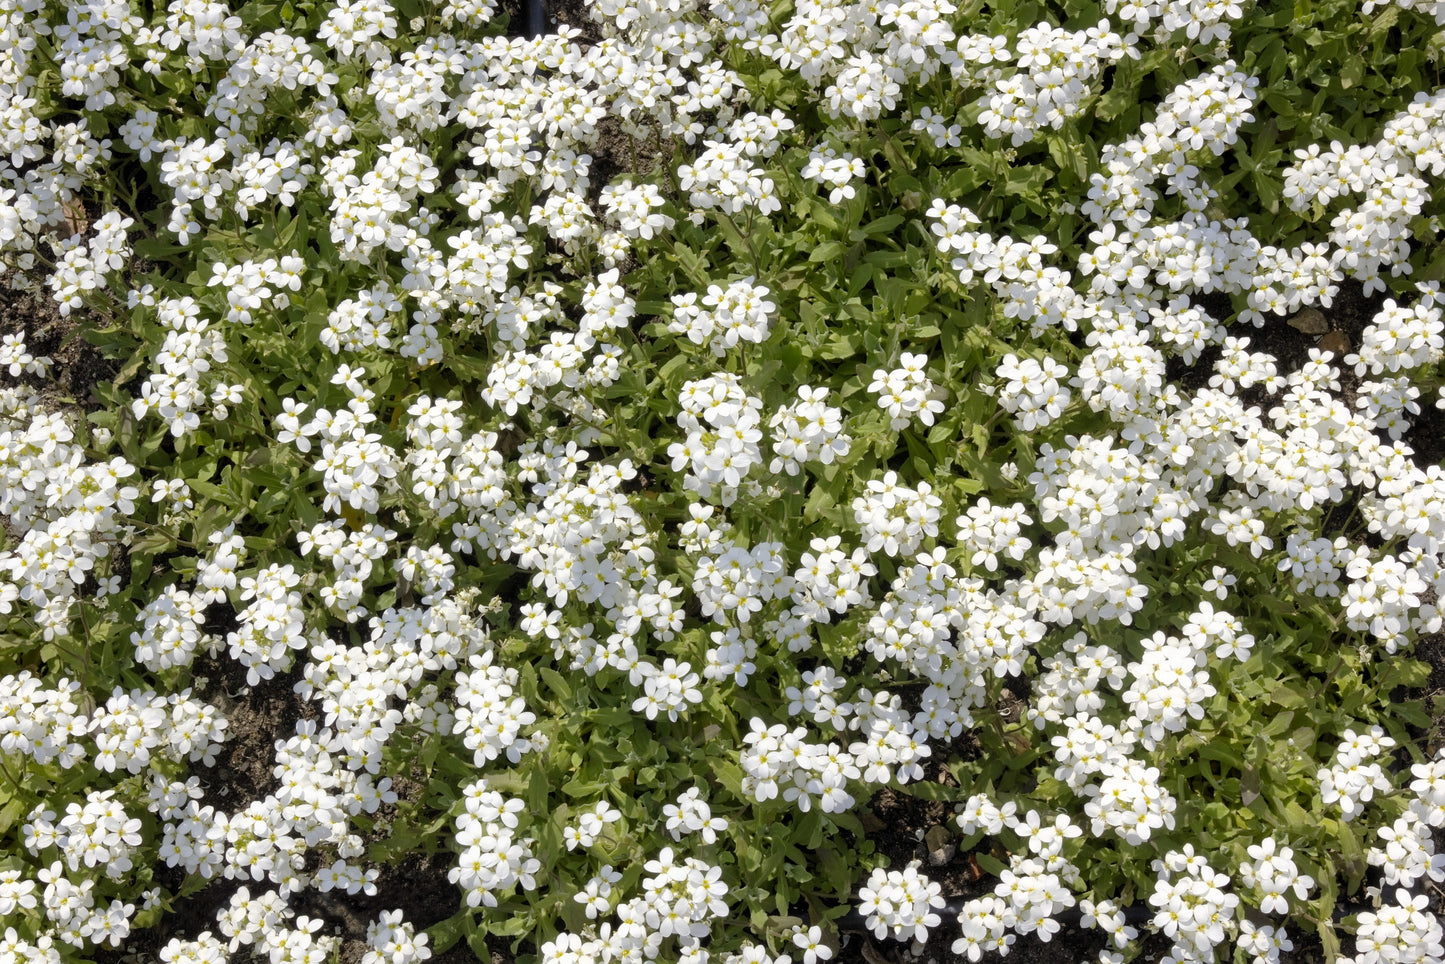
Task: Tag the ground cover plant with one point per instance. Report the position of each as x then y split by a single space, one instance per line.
646 448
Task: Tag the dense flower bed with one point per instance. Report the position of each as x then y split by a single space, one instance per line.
646 442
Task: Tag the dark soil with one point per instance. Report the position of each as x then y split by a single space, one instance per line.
1349 313
259 716
77 365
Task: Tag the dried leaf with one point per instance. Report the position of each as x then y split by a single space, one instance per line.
872 955
1337 342
76 220
1311 321
941 847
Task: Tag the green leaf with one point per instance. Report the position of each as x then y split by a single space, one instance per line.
556 682
883 225
444 935
927 790
1352 72
1269 190
12 811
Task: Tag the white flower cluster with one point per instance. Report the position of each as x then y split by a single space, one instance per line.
741 312
1071 681
1035 887
634 208
937 127
356 465
1429 789
1030 290
1380 596
1191 905
843 50
394 940
488 714
1238 365
1203 21
818 698
915 625
722 176
835 171
16 358
589 826
272 625
1128 800
277 173
1032 890
902 904
680 900
352 554
42 722
1032 390
175 391
1208 627
74 916
895 518
1272 872
829 580
193 837
1170 686
253 921
70 513
1407 849
986 923
889 748
355 685
351 26
723 426
1355 774
362 322
668 688
1403 932
1316 563
776 760
1375 235
370 212
1400 338
172 630
1062 67
582 536
134 727
807 430
270 931
98 834
737 582
1203 113
192 169
1102 498
83 266
493 860
907 393
691 814
987 531
730 656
